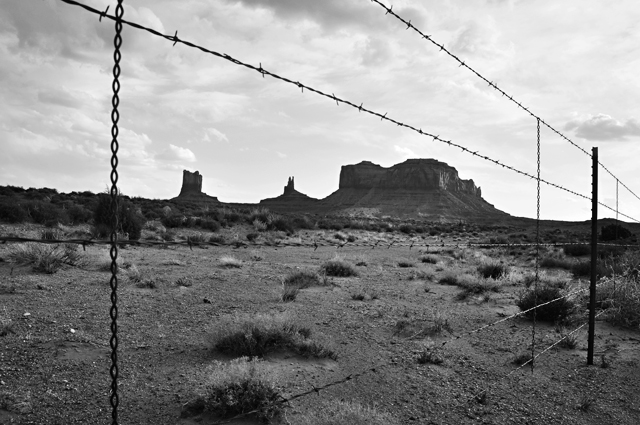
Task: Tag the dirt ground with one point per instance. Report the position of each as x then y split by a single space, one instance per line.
54 363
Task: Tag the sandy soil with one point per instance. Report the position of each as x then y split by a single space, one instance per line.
54 364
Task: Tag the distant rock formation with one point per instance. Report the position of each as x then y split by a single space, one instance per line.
191 183
423 187
192 187
290 199
288 189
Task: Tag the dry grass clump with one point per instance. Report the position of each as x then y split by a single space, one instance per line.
428 356
217 239
556 311
45 258
345 412
622 301
405 264
338 267
230 262
429 259
240 386
301 279
365 295
493 270
263 333
556 263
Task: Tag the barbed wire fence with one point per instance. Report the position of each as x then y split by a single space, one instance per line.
115 243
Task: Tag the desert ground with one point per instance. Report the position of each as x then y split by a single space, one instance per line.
395 343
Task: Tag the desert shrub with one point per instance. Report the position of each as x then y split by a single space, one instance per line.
613 232
429 259
11 212
240 386
493 270
219 239
556 263
622 301
211 225
128 220
289 292
345 412
449 278
173 221
281 224
583 269
429 357
303 279
338 268
251 237
340 236
554 312
303 222
351 238
405 264
576 250
406 228
230 262
45 258
6 324
79 214
46 213
358 296
263 333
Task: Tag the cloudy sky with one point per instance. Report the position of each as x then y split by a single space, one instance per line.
575 63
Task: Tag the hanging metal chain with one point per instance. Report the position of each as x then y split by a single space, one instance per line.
537 277
113 312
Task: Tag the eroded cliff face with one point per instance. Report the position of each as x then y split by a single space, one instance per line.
191 183
417 187
413 174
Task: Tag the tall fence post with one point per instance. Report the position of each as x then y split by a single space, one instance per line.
594 255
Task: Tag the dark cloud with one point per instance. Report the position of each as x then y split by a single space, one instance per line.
604 128
334 14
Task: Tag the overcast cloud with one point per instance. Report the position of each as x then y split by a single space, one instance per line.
571 62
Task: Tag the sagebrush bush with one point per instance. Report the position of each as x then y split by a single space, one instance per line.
45 258
240 386
493 270
556 311
10 212
576 250
429 259
303 279
613 232
338 268
128 220
263 333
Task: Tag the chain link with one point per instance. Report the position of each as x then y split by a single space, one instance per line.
113 312
537 266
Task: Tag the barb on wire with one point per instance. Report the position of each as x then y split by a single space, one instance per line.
389 11
332 96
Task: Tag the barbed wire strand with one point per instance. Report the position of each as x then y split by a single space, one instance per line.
338 100
113 252
482 394
389 11
236 244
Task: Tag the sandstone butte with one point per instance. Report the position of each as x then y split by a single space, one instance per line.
417 188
